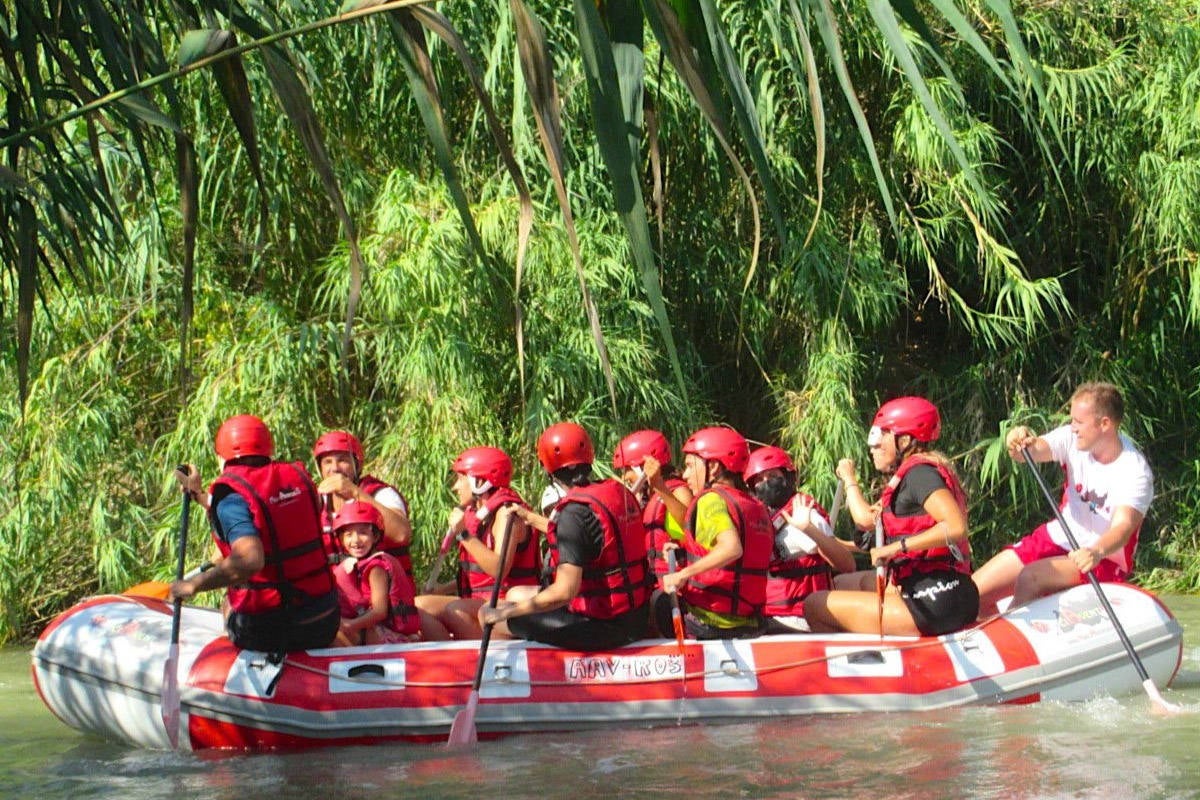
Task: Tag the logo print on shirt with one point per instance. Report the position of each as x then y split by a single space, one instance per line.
1095 502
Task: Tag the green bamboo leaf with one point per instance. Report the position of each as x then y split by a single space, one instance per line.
12 179
826 19
442 27
27 274
889 26
745 113
538 71
673 39
816 106
615 77
198 44
147 112
189 206
417 66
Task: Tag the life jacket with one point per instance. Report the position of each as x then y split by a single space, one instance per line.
738 587
371 485
618 580
934 559
283 506
790 580
654 519
354 592
527 560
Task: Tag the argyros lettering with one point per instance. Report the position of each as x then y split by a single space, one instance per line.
621 669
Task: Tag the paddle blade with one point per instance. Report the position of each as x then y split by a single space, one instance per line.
462 730
1158 705
170 696
677 622
155 590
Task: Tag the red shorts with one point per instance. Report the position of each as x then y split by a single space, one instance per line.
1039 545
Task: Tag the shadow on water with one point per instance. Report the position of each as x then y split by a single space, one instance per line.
1106 747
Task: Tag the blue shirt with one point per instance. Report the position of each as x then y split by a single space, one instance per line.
234 515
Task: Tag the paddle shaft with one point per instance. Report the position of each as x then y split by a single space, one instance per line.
180 557
1092 579
492 601
839 498
676 614
880 571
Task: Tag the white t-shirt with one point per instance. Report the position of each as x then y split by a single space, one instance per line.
390 498
1093 491
790 540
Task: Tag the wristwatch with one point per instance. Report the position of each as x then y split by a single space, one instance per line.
903 544
462 536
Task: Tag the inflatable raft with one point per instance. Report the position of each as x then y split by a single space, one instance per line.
99 668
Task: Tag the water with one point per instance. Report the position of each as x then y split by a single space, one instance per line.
1103 748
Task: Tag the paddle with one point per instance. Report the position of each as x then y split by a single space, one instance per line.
839 498
435 569
1147 681
880 572
462 730
676 617
170 680
161 590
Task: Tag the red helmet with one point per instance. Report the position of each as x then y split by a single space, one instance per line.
915 416
356 511
486 463
244 435
765 458
634 448
338 442
564 444
720 444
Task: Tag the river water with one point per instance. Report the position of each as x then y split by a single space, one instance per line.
1106 747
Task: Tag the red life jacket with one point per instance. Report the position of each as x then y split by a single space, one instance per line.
618 580
934 559
739 587
526 568
790 580
283 507
371 485
354 592
654 518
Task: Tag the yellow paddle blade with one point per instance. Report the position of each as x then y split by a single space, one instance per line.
155 590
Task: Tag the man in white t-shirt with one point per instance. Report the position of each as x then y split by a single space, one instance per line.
1107 490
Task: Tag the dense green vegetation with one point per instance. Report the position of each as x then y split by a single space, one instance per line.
1027 217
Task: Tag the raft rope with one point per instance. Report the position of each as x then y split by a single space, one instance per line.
962 636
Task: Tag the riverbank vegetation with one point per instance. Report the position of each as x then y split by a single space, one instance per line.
779 215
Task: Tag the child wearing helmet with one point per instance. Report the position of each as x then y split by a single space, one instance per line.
484 525
643 460
280 595
595 593
375 595
728 539
922 517
806 555
339 457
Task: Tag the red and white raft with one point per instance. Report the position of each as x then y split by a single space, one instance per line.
99 668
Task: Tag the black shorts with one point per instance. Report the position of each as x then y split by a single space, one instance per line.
303 627
572 631
940 602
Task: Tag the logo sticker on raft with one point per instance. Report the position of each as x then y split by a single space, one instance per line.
621 669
